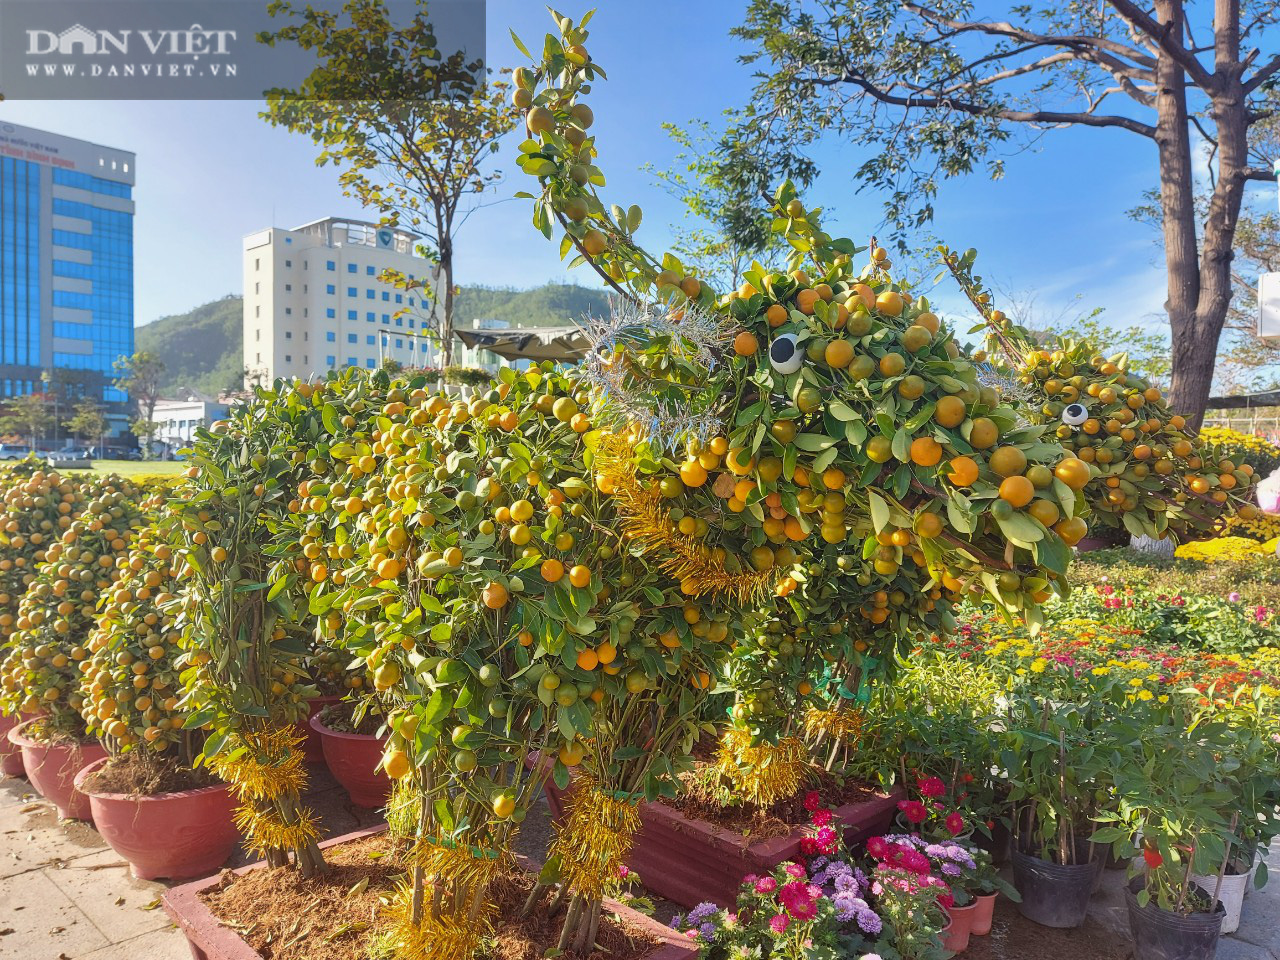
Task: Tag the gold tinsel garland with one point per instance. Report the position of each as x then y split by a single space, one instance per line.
595 840
762 773
837 723
644 520
463 875
268 769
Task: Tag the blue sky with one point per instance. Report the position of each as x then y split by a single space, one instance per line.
211 172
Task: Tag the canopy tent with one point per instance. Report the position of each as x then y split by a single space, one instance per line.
558 344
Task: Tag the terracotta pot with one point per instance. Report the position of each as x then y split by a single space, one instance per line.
52 770
955 935
984 910
353 760
689 861
178 836
210 940
10 753
312 746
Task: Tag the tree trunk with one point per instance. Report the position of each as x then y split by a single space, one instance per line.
1197 347
445 328
1177 204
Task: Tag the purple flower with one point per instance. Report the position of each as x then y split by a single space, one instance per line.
1233 596
869 922
701 912
951 870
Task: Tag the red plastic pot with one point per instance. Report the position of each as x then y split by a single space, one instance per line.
10 753
984 910
312 746
210 940
689 861
955 936
52 769
353 760
178 836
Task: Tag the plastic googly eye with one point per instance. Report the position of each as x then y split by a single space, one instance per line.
784 354
1074 414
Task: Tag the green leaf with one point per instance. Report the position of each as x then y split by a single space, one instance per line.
880 512
813 442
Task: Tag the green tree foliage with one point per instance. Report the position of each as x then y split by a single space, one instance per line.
87 420
409 127
731 227
936 91
140 376
29 416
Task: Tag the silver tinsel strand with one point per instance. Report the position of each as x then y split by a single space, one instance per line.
695 334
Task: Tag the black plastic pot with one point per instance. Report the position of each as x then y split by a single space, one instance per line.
1161 935
1053 895
998 844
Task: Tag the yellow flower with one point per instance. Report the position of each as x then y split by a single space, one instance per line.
1100 671
1145 694
1135 682
1038 665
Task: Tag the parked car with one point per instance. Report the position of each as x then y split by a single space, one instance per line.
13 451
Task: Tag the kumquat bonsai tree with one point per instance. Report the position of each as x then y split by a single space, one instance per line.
247 680
851 419
47 652
36 505
504 619
1140 469
132 684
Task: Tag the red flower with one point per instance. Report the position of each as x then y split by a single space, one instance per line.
931 787
812 800
1153 858
955 823
913 810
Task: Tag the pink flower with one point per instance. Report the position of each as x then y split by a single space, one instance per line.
779 922
878 847
955 823
913 810
795 870
932 787
624 871
812 800
766 885
821 818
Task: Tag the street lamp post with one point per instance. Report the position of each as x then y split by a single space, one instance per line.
46 378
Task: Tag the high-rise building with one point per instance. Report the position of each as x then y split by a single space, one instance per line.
66 265
313 300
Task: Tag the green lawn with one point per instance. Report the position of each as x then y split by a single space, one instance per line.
139 468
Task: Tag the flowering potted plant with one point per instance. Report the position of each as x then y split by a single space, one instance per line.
912 901
818 912
986 886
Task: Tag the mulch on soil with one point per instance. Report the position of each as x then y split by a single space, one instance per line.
776 821
530 938
135 775
284 917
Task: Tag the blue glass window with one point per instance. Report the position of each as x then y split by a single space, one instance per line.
370 295
331 337
351 362
330 289
369 270
331 313
83 181
331 360
330 265
351 338
351 315
351 268
351 292
369 340
371 363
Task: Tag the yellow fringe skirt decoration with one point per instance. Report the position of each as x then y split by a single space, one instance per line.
595 840
763 773
462 875
698 568
268 769
838 724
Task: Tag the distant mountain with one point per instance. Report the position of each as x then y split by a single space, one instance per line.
203 349
553 305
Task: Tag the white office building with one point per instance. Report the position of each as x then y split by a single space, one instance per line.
179 418
313 300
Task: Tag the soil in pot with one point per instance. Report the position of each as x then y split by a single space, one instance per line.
284 917
166 819
1163 935
779 820
1054 895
